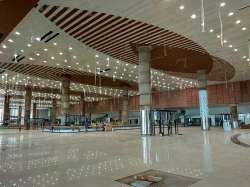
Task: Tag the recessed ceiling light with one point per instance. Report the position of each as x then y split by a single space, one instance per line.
230 46
96 56
77 63
30 58
17 33
37 54
230 13
248 59
244 57
182 7
45 61
235 50
70 48
53 58
45 49
211 30
223 4
238 21
243 28
193 16
22 50
10 40
60 53
58 64
29 45
225 41
65 60
218 36
54 43
4 46
74 57
1 52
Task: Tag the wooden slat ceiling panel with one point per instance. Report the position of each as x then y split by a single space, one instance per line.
55 73
111 34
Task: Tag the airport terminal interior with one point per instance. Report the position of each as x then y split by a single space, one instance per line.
116 93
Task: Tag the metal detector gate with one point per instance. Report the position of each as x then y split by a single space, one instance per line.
165 120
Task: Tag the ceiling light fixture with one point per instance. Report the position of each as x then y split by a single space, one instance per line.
238 21
193 16
10 40
4 46
17 33
230 13
29 45
211 30
182 7
222 4
243 28
45 49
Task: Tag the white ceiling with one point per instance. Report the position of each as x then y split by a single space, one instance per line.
162 13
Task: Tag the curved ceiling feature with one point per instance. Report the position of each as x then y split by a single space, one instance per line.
221 71
9 22
48 90
56 73
114 35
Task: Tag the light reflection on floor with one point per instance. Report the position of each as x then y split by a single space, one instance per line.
33 158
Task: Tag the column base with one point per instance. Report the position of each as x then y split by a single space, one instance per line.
146 126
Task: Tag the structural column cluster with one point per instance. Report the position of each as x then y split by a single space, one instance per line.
53 112
203 99
6 112
28 97
65 106
145 89
124 108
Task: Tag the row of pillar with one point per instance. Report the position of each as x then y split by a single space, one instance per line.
65 109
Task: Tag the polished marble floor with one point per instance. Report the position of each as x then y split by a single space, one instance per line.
33 158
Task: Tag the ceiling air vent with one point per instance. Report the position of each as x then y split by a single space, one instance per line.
17 58
49 36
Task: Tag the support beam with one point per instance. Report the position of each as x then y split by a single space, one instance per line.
234 115
6 112
145 89
203 99
27 105
53 112
19 116
124 108
65 108
82 105
34 115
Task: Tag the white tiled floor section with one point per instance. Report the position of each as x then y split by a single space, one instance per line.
97 159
